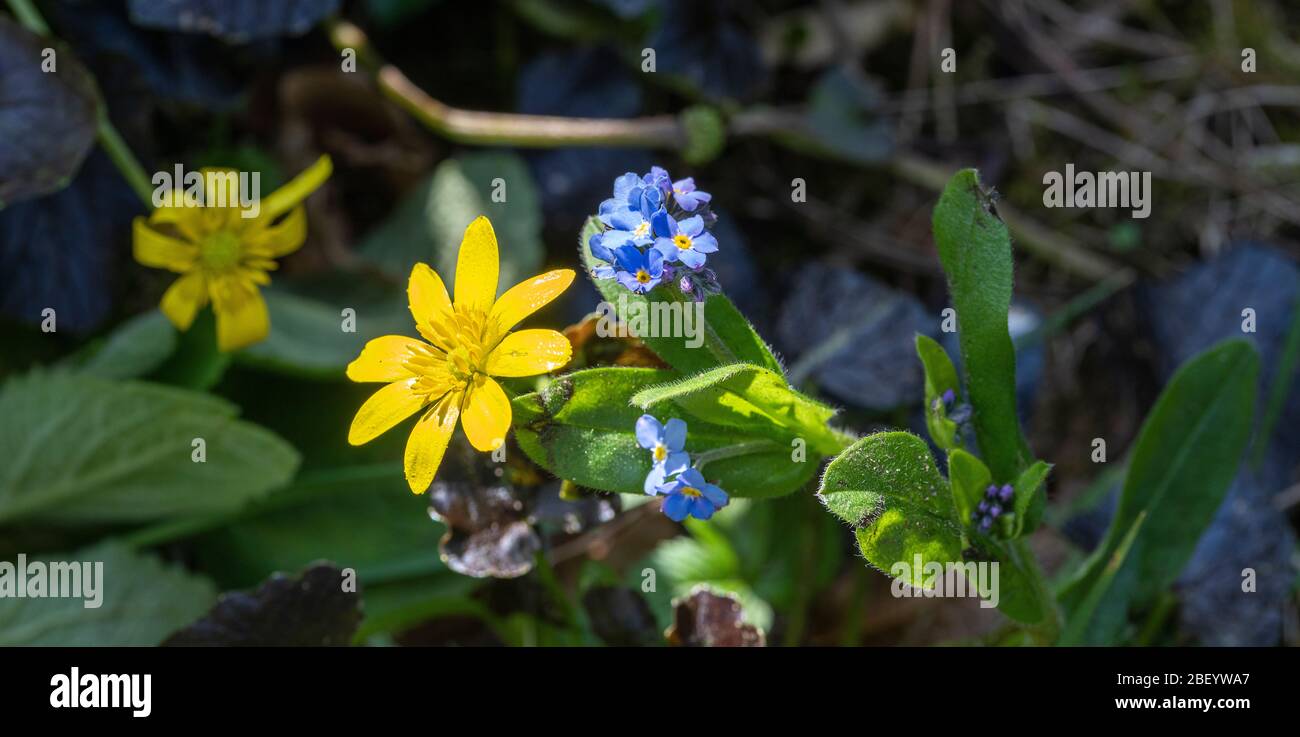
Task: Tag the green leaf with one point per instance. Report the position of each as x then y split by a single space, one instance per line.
429 223
975 249
83 450
1183 461
887 487
940 376
751 398
1109 583
141 602
969 478
1031 499
726 337
133 349
582 428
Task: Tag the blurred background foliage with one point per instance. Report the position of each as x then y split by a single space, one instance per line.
751 98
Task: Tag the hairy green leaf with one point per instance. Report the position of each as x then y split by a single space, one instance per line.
887 487
975 249
581 427
751 398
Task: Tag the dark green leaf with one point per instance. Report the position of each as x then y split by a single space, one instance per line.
975 249
84 450
1185 456
140 602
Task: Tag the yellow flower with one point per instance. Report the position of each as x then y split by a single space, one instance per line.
469 342
223 256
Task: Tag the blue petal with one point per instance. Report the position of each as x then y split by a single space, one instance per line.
598 248
667 249
655 262
705 243
691 226
629 258
677 506
692 258
714 494
629 281
684 186
675 434
654 479
663 224
603 272
627 220
701 508
676 462
624 184
693 477
649 431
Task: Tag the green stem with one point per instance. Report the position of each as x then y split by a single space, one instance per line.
30 18
1050 627
120 153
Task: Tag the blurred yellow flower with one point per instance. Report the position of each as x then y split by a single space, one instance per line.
468 343
222 253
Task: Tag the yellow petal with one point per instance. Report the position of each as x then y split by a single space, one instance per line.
279 239
428 442
383 409
182 300
384 359
162 252
242 319
476 266
427 296
529 352
284 198
526 297
486 414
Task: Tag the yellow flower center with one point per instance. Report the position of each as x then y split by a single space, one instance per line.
220 251
660 453
642 230
682 241
690 491
643 276
468 335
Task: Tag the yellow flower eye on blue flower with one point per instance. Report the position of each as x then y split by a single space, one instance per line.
639 271
684 241
666 444
690 495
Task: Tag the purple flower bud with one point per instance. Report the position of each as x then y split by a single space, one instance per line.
995 511
684 284
949 397
991 492
983 507
986 523
1006 493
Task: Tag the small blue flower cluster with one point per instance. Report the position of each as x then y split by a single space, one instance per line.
996 502
686 492
656 231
